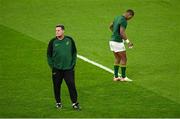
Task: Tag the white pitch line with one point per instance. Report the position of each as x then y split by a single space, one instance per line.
97 64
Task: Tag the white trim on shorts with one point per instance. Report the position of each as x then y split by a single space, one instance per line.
117 46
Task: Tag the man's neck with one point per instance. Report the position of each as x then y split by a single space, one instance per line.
60 37
124 16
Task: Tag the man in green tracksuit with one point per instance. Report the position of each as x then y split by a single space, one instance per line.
61 55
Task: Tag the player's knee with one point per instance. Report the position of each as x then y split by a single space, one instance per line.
123 61
117 61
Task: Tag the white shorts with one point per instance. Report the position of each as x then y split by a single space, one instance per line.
117 46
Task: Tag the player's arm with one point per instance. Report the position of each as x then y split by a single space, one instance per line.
124 36
111 26
122 33
50 53
74 52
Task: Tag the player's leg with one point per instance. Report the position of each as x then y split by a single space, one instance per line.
57 77
123 63
116 65
117 48
69 78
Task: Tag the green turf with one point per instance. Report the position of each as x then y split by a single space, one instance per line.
26 26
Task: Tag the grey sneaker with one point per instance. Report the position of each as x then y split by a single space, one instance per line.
58 105
76 106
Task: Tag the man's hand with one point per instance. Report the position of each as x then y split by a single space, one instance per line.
130 45
111 26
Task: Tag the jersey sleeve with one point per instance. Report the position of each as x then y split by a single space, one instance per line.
50 53
123 23
74 53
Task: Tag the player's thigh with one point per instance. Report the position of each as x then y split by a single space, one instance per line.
69 77
57 76
122 55
116 55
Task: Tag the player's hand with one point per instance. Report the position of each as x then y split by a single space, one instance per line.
130 45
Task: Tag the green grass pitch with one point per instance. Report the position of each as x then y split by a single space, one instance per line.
26 26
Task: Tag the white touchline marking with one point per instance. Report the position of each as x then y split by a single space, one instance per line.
97 64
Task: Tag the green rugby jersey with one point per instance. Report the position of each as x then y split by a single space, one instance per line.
118 21
62 54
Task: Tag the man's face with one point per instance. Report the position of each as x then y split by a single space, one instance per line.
59 31
129 16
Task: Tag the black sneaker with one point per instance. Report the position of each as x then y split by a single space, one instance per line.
76 106
58 105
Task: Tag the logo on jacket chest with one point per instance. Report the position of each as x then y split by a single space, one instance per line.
67 43
56 45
